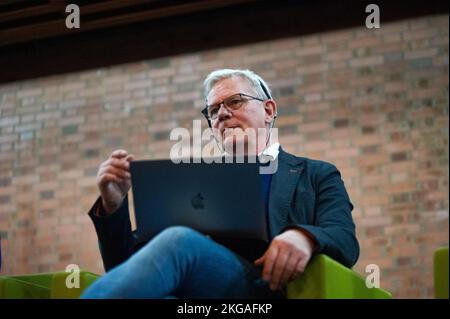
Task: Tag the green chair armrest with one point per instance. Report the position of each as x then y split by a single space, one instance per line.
441 273
44 286
43 279
12 288
325 278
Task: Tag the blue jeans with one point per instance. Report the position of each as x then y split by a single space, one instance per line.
182 263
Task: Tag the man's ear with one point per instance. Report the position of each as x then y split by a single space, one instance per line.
270 108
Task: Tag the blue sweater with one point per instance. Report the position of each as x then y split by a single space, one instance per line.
266 180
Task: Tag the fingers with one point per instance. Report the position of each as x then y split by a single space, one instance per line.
289 270
122 154
117 165
111 178
118 172
278 269
293 276
292 255
121 163
269 261
301 265
299 268
105 178
119 154
295 273
259 261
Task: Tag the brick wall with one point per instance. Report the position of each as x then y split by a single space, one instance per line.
374 102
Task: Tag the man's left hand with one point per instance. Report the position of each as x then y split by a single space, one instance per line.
287 256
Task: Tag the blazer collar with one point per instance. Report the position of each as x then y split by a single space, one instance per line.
282 190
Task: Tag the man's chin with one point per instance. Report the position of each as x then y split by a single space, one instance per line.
235 146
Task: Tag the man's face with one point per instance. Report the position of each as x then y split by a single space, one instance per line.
229 126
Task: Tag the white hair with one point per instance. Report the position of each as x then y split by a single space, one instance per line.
254 79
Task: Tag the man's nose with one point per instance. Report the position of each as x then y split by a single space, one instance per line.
223 112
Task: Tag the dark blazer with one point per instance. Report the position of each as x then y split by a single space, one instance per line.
304 193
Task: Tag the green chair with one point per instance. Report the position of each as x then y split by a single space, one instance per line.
43 286
441 273
324 278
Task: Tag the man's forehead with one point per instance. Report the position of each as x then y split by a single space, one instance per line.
227 87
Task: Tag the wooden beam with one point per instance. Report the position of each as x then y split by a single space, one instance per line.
5 3
57 27
31 11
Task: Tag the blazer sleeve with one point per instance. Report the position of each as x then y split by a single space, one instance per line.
333 228
116 240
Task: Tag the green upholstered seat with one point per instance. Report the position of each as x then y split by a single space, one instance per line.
44 286
323 278
441 273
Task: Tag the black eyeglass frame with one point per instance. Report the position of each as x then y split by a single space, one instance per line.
205 109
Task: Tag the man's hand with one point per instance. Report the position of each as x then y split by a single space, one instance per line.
286 257
114 179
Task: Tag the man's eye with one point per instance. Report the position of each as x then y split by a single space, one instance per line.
234 101
213 110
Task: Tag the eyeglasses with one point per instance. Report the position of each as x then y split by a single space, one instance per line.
232 103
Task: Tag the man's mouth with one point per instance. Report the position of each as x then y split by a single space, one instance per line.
228 131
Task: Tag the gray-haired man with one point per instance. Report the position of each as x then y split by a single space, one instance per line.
307 206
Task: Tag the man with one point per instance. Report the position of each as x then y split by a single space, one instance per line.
307 207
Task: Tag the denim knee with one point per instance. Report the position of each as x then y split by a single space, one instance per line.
176 238
179 234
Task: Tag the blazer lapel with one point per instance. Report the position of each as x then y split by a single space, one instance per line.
282 189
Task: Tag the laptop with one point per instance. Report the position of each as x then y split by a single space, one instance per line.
221 200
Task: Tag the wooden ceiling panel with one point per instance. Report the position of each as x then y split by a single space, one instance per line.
22 21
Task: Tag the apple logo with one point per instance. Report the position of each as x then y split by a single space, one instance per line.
197 201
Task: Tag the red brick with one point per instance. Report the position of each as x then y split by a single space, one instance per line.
367 61
343 152
313 68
